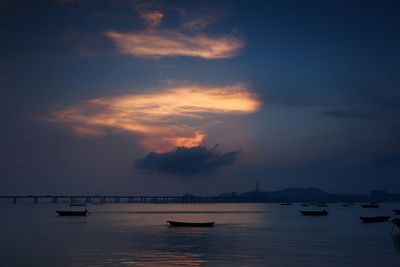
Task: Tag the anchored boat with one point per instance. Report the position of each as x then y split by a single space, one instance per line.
396 221
314 212
370 205
72 212
191 224
374 219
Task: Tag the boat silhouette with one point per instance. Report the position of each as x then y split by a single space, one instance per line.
72 212
314 212
191 224
374 219
396 221
370 205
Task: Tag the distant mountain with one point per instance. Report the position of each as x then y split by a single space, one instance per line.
311 194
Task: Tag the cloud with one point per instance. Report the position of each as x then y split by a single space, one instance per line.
199 22
372 104
152 19
186 161
182 39
157 44
350 114
160 120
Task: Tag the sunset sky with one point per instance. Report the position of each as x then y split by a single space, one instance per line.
201 97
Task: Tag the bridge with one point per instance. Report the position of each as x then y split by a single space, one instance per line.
116 199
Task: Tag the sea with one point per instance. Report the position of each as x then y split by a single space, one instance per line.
244 235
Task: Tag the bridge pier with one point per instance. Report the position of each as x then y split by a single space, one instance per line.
74 199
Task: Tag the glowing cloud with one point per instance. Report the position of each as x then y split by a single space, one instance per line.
157 44
163 120
153 19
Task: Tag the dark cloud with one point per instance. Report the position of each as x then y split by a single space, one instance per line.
186 161
378 106
350 114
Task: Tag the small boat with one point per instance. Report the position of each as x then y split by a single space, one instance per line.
314 212
305 205
397 212
370 205
346 205
374 219
286 204
321 205
191 224
396 221
71 212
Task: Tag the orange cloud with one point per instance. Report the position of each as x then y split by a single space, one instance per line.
152 19
161 120
157 44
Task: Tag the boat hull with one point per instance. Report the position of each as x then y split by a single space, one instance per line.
71 213
396 221
314 213
370 206
190 224
374 219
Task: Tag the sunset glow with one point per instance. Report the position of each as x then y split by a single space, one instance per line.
161 120
157 44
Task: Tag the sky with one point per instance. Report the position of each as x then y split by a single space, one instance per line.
199 97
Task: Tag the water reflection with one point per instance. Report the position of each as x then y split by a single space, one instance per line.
174 247
244 235
165 258
396 242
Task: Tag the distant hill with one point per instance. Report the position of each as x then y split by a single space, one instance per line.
298 194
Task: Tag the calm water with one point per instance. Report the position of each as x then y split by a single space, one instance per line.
245 235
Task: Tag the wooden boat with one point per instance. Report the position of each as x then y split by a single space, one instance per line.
71 212
314 212
191 224
374 219
370 205
397 212
286 204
